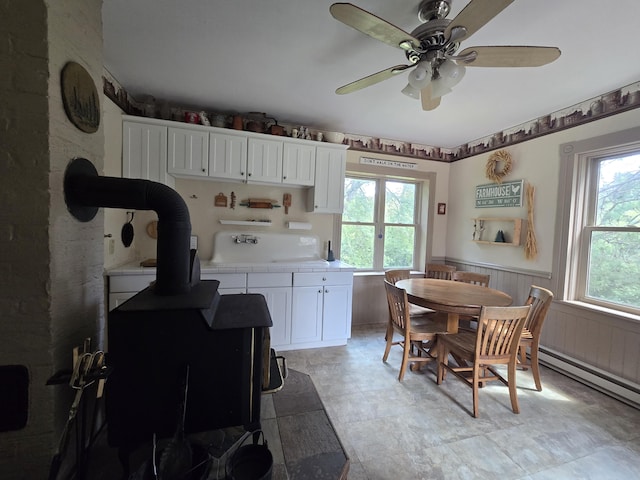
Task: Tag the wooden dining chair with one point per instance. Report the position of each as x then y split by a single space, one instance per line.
439 271
421 336
394 276
495 342
471 277
474 278
540 300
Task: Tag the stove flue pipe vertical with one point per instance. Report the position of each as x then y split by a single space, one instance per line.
85 192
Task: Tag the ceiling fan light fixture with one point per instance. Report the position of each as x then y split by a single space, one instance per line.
420 76
451 73
439 88
411 92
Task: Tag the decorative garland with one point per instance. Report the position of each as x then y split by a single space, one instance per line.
492 172
531 245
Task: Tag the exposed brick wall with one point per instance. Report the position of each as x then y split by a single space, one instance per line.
51 293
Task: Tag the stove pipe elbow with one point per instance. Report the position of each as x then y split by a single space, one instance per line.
85 192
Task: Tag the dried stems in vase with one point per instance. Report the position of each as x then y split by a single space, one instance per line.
531 245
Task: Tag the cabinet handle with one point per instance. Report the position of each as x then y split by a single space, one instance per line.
324 279
326 291
284 178
320 291
204 169
248 174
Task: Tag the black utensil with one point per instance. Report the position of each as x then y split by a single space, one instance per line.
127 231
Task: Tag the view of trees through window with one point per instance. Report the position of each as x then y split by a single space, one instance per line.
614 253
379 223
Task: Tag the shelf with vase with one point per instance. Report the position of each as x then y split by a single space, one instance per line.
501 231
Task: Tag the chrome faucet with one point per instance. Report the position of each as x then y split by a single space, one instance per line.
251 239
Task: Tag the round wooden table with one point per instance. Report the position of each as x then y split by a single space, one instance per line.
453 298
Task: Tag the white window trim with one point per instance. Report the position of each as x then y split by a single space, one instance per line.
571 211
427 207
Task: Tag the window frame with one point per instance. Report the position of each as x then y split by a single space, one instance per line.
379 223
576 215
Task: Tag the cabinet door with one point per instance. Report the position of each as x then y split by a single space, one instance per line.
298 164
144 152
188 152
306 315
264 160
227 156
117 299
279 304
336 315
327 195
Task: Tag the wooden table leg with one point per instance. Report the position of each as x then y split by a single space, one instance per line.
452 322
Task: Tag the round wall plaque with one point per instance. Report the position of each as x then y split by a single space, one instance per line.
80 97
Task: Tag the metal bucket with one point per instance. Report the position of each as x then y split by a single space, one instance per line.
251 462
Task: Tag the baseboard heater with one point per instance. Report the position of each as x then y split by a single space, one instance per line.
605 382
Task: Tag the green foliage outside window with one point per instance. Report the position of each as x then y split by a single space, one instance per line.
372 229
614 257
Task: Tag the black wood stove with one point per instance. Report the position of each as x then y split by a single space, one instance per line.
176 323
151 342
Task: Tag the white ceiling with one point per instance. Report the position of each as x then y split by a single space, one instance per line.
287 57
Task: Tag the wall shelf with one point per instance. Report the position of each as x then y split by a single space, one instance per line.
252 223
488 227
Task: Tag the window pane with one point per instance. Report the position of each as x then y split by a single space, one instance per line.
400 201
356 246
614 267
618 202
398 247
359 200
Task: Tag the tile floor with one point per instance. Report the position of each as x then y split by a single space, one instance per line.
419 430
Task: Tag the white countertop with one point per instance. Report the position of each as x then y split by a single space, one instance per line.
134 268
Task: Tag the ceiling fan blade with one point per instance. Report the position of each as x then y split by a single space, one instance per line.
374 26
508 56
428 103
372 79
475 15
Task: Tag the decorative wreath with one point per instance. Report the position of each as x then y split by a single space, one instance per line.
492 172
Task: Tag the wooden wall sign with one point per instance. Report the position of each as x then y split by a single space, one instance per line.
80 97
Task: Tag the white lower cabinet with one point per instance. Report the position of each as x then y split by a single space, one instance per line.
230 283
123 287
321 308
307 312
276 288
308 309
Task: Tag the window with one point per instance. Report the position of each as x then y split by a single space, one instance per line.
599 212
610 245
380 223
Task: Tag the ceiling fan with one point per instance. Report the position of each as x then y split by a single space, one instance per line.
431 48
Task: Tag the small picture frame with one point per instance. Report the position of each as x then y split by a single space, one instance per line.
442 208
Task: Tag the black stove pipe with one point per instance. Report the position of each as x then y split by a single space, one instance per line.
85 191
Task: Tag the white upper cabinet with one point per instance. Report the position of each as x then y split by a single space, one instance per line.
227 156
158 150
188 152
264 160
327 195
144 152
298 164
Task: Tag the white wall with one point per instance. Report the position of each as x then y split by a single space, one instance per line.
537 162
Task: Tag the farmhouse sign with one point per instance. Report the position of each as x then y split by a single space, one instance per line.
505 194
